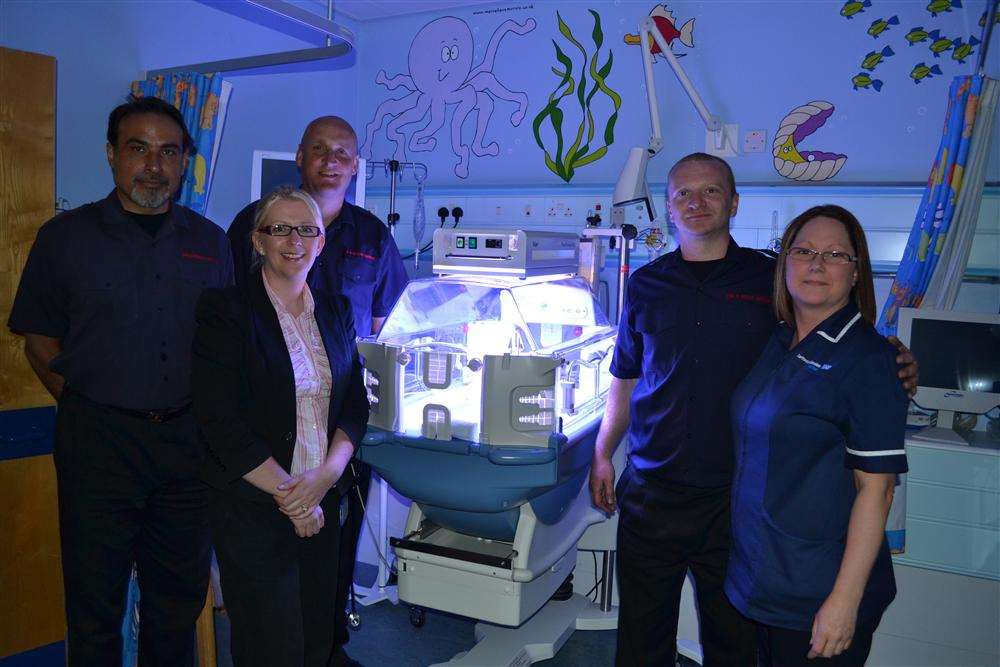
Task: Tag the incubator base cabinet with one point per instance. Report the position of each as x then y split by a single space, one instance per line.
487 385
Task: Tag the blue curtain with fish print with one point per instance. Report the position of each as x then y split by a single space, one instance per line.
931 227
937 206
197 96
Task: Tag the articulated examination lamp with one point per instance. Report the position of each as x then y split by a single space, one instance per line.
632 186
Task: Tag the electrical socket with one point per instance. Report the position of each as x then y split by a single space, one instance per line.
753 141
559 209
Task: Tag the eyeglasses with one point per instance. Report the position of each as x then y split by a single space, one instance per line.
828 256
305 231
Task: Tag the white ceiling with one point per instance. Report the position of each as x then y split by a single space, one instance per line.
366 10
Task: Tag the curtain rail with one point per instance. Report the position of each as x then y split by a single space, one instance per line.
295 14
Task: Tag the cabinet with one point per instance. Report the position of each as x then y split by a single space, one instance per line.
947 610
953 509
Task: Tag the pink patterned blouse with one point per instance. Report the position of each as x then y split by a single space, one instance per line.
313 380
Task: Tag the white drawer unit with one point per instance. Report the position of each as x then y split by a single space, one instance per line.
953 509
947 610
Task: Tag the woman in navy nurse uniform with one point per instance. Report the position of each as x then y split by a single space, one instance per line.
818 426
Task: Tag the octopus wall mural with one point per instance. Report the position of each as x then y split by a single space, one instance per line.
442 75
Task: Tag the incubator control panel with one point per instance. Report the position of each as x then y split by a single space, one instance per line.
517 253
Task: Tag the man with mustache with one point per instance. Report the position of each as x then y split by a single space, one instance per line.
360 261
106 307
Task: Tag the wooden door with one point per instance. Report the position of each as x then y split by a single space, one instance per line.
31 590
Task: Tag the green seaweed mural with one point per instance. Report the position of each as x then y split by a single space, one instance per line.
579 153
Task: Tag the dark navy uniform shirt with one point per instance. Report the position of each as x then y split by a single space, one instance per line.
803 420
360 260
690 342
121 302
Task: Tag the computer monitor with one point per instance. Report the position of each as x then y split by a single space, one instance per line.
274 168
959 357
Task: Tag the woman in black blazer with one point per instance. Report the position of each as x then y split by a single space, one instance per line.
279 396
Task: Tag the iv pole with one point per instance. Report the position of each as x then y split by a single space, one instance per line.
395 169
382 589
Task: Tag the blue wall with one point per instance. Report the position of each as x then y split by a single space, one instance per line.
753 62
101 47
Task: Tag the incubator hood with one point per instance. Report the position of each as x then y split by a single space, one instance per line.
486 394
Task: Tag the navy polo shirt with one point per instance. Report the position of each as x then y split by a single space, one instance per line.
803 420
360 260
121 302
690 342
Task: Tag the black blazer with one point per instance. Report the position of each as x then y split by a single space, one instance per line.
244 388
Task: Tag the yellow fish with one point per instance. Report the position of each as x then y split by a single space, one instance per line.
200 171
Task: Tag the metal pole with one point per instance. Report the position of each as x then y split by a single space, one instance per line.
393 217
711 122
656 138
991 13
383 533
607 581
305 17
629 232
329 17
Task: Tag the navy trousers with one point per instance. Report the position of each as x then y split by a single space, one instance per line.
663 532
129 491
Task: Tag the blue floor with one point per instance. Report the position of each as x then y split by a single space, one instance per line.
387 638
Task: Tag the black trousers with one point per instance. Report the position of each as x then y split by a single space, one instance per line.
349 544
779 647
280 589
663 532
129 491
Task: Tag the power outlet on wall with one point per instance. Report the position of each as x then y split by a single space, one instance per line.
753 141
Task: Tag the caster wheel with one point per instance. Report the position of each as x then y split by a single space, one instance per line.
354 620
418 616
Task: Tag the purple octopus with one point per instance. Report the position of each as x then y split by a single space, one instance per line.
441 74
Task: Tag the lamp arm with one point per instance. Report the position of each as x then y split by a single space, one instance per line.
712 123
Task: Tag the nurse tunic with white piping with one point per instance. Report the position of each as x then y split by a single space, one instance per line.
803 420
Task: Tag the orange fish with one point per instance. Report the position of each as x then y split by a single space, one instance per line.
665 23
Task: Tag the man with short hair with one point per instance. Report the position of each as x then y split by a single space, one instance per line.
106 306
694 323
361 261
